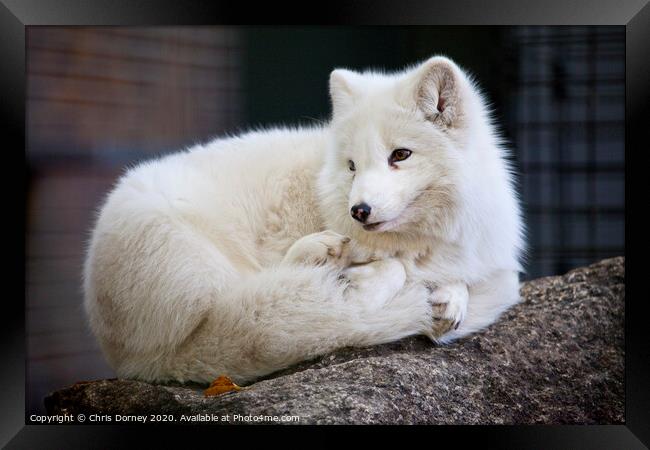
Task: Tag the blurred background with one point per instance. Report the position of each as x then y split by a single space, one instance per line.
101 99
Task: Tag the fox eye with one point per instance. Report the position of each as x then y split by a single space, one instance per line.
399 155
351 165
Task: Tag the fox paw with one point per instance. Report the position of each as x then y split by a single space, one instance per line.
326 247
449 307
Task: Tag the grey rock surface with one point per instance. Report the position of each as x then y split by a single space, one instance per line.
557 357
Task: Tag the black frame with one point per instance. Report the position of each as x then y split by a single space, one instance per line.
16 14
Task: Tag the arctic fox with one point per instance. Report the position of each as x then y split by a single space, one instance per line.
246 255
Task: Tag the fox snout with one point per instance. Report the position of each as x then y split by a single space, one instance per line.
360 212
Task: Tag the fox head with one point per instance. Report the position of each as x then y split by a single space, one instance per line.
398 152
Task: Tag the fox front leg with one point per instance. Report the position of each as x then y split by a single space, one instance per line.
326 247
449 304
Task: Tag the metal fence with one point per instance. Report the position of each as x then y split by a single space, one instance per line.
566 120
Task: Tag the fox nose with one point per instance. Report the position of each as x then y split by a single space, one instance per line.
360 212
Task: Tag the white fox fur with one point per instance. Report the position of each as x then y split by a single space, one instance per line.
241 257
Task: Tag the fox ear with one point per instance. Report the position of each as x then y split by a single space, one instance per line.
342 89
438 91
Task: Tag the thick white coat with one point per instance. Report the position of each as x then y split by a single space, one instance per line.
199 262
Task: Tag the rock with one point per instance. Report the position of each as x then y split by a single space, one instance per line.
557 357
